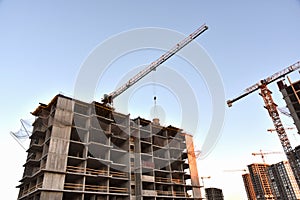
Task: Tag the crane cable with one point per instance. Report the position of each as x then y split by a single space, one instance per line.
154 95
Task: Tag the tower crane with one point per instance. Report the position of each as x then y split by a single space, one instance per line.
262 154
108 98
273 112
235 170
273 129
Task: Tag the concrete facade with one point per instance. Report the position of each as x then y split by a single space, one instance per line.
85 151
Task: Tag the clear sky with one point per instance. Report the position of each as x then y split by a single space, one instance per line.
43 45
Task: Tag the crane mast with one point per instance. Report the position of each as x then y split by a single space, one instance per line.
108 99
273 113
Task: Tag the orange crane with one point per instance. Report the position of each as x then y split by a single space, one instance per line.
108 98
270 105
235 170
262 154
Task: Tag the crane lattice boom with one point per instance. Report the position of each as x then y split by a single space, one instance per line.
266 81
109 98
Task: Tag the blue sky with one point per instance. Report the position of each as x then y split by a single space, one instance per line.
44 43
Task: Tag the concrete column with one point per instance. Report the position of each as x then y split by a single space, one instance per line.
193 166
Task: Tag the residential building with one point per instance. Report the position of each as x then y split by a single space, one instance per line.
88 151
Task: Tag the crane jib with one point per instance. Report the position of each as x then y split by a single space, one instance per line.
109 98
266 81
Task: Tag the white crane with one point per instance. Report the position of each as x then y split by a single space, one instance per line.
108 98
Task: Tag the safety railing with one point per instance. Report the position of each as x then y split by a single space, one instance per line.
118 189
164 193
31 189
96 188
73 186
118 174
162 180
179 193
178 181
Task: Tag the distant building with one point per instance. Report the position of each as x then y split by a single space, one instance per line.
283 182
260 181
214 194
297 156
249 187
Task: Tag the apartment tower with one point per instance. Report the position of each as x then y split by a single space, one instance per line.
87 151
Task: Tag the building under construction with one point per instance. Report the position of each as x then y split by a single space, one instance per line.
291 95
82 150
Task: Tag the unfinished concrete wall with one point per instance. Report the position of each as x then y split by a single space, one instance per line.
87 151
53 181
291 101
58 147
51 195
